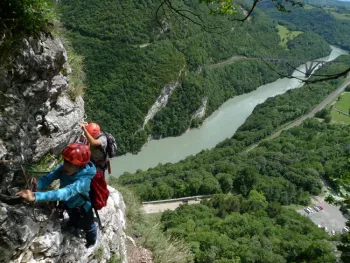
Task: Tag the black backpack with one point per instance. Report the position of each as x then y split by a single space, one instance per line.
111 149
111 145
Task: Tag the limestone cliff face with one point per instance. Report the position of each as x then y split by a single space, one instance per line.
24 239
37 116
162 99
200 113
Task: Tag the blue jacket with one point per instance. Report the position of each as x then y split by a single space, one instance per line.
70 186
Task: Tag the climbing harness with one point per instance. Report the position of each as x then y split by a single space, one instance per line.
44 212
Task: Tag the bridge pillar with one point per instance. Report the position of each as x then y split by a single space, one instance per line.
310 69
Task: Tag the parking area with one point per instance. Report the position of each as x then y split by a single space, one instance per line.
329 217
161 207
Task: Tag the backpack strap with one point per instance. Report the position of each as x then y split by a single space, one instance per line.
104 151
96 213
102 163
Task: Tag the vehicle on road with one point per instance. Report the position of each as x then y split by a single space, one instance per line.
316 208
345 229
319 207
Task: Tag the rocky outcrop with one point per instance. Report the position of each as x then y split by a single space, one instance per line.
37 116
245 12
22 239
200 113
144 45
162 100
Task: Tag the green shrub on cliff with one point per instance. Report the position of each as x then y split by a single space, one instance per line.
19 18
25 15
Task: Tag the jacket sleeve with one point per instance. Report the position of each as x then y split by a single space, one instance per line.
67 192
46 180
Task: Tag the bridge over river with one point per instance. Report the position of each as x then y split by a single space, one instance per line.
310 66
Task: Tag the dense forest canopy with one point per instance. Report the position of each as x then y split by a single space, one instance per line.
247 229
335 31
129 61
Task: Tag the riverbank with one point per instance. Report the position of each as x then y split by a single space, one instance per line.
311 114
222 124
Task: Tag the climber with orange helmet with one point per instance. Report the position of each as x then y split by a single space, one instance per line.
98 144
75 175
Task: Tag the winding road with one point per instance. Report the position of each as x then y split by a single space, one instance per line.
319 107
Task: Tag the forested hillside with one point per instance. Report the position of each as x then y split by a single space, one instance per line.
129 59
332 3
315 19
286 169
236 229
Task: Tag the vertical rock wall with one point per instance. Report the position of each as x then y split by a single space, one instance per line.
37 116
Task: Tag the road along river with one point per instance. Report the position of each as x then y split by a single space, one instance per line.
222 124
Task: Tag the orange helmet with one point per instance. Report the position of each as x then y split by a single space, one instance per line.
93 129
77 153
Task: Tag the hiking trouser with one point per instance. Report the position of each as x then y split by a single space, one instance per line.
80 218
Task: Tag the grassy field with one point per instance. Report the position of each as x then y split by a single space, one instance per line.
341 16
342 104
338 117
336 14
286 35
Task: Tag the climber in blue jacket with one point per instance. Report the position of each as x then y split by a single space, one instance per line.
75 176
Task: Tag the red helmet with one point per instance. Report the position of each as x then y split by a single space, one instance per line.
77 153
93 129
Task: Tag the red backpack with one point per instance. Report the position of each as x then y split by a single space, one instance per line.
98 191
98 194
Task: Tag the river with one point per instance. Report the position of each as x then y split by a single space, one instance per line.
222 124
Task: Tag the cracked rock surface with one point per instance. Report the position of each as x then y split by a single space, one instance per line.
37 116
